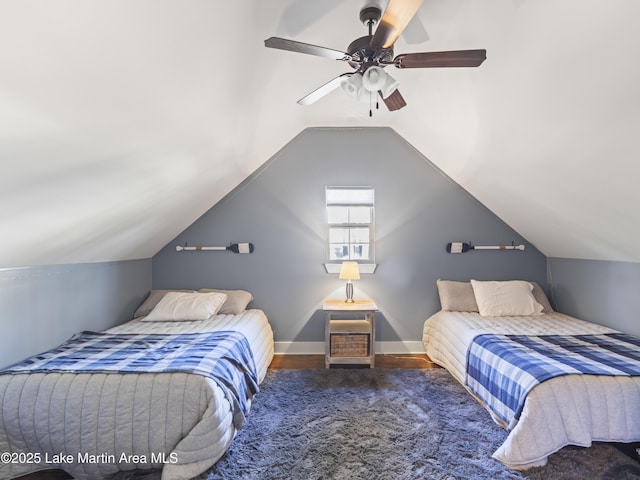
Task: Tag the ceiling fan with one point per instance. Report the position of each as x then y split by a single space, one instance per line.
370 54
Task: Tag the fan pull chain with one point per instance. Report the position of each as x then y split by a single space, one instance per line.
371 104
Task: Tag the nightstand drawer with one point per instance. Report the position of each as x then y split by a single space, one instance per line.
349 344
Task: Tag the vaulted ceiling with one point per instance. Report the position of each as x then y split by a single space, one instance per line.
122 121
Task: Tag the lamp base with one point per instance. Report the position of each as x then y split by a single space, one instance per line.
349 292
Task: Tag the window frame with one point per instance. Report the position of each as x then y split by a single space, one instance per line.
349 201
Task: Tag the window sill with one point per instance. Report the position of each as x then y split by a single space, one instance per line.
363 267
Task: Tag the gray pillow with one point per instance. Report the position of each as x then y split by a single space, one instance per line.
236 302
459 296
152 300
456 296
541 298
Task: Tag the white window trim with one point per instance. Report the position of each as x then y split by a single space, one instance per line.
365 266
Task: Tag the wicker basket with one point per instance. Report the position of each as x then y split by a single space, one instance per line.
349 345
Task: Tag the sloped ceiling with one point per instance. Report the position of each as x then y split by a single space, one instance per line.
122 121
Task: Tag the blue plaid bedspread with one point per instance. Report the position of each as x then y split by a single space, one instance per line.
502 369
223 356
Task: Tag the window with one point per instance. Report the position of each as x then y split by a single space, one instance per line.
350 224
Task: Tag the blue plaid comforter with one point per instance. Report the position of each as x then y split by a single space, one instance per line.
502 369
223 356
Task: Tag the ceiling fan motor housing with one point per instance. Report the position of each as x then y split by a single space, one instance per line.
363 56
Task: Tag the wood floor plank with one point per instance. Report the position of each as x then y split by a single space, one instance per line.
296 362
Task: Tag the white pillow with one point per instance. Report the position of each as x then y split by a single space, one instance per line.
502 299
186 306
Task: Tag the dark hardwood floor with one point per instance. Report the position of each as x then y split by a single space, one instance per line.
290 362
295 362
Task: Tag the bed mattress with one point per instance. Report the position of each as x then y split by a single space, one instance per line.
95 424
566 410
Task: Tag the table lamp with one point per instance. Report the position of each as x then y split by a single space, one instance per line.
349 271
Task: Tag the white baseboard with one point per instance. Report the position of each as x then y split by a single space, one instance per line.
317 348
299 348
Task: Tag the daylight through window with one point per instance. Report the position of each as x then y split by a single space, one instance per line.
350 223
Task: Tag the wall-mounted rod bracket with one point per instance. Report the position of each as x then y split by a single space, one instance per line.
459 247
234 247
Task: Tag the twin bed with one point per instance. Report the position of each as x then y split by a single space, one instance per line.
96 422
110 414
567 409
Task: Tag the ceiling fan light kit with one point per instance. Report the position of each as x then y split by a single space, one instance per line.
352 85
374 78
370 54
365 88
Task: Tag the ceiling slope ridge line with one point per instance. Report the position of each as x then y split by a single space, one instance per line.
245 182
240 186
463 190
249 179
349 127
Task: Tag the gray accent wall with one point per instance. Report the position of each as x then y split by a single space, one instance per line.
281 209
607 293
40 307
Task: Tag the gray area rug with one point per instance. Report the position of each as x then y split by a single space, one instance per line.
355 424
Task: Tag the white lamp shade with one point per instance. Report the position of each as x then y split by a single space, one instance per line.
352 85
374 79
390 86
349 271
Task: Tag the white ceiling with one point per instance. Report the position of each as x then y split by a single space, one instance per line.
122 121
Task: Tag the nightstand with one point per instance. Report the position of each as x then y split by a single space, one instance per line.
350 332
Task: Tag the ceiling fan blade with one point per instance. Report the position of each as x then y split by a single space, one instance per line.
300 47
394 20
456 58
395 101
325 89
